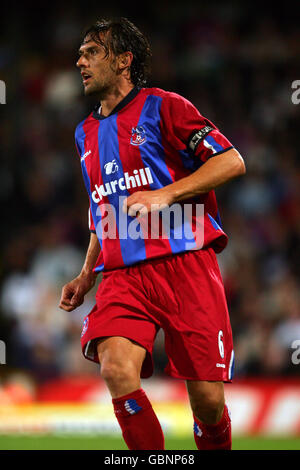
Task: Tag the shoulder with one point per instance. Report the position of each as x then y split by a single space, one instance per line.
172 102
80 128
169 96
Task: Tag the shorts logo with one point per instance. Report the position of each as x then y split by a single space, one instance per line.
138 135
85 326
220 365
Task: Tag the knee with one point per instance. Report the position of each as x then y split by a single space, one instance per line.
120 364
208 406
210 410
118 373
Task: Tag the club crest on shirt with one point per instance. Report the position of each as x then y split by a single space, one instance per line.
138 135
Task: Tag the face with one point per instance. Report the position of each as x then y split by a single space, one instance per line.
97 70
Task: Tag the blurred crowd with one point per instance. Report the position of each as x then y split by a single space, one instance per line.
237 67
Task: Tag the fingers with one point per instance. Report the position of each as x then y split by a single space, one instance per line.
65 304
77 299
134 208
70 299
65 307
137 210
143 202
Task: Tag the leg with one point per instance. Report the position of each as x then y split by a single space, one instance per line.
212 428
121 362
207 400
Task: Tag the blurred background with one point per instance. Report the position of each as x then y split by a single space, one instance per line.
236 63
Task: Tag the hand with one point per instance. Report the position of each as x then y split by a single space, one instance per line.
73 293
142 202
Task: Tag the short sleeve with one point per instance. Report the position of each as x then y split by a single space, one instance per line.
186 129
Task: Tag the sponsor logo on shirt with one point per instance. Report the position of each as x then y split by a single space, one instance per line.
141 177
111 167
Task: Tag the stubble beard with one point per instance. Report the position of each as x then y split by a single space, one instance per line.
100 90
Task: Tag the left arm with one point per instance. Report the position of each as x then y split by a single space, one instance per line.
213 173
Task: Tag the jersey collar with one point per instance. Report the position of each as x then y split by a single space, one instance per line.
132 94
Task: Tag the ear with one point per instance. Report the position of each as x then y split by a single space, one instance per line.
125 60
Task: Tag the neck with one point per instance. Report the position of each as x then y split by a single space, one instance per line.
114 97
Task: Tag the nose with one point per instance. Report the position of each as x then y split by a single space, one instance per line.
81 62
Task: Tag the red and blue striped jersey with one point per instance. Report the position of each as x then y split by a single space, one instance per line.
150 140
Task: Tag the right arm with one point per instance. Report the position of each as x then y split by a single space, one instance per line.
73 293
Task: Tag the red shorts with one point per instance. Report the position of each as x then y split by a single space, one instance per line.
183 295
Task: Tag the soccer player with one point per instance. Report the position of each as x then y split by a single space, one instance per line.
140 149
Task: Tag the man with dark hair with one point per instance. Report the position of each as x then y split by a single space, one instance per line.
142 149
